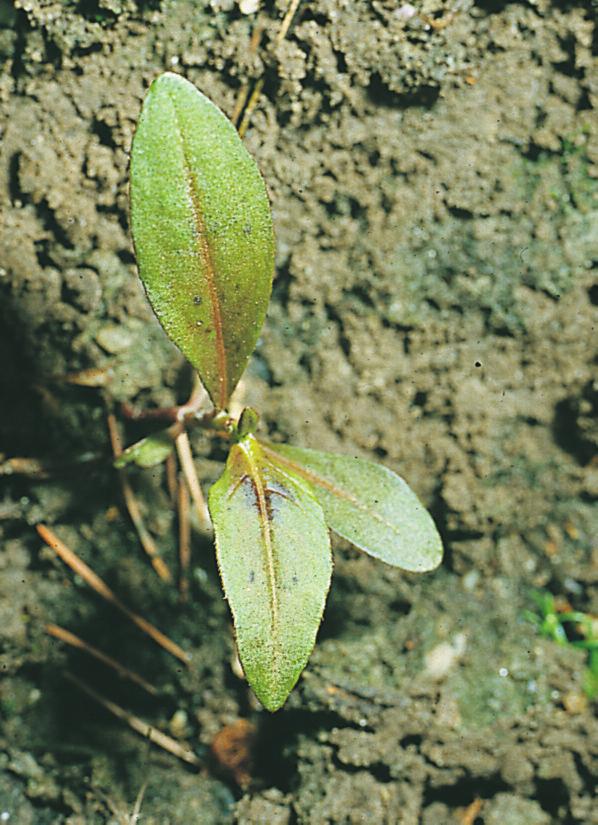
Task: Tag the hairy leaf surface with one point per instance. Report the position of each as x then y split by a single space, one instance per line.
368 505
273 551
202 230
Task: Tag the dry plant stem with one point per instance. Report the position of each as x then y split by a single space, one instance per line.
287 20
40 470
29 467
469 814
240 102
253 101
156 414
186 459
171 477
133 509
95 377
138 803
188 412
257 90
79 567
449 15
184 538
147 731
244 91
74 641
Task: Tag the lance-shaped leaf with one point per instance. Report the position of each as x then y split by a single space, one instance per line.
202 230
273 552
368 505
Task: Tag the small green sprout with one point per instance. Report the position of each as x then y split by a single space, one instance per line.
202 229
562 626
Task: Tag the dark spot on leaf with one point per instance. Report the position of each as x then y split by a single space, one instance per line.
247 229
251 576
197 300
478 363
268 502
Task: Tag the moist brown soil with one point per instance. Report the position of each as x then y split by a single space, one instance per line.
433 170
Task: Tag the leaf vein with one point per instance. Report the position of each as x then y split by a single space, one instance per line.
264 515
205 253
318 481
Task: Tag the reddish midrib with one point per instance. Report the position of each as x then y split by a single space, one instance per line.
264 516
208 266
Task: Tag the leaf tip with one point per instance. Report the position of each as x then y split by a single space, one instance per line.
272 702
434 559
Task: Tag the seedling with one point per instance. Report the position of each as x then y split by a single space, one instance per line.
569 628
202 229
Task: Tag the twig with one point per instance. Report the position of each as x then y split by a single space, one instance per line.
259 85
469 814
253 101
74 641
132 505
96 583
94 377
38 469
171 479
240 102
147 731
256 36
134 820
184 538
30 467
166 414
186 459
287 20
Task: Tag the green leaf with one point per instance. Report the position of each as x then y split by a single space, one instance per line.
150 451
368 505
274 557
202 230
248 422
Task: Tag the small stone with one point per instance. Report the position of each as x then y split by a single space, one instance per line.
405 12
575 702
249 6
114 339
441 659
178 724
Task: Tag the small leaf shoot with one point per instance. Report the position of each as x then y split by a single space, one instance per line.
151 450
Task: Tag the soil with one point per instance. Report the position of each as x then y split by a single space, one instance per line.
433 170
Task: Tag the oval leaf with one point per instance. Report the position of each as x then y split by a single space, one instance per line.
149 451
274 557
202 230
368 505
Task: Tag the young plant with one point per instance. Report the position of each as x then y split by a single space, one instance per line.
204 242
568 627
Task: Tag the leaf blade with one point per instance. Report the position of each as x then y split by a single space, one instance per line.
202 230
367 504
273 552
151 450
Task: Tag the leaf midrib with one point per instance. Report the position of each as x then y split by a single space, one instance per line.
205 253
268 544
